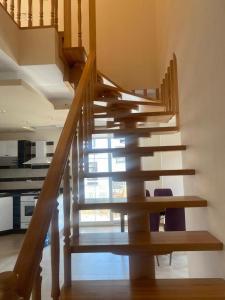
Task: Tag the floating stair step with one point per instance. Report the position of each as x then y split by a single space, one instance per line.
155 242
159 289
104 88
138 131
150 204
137 102
144 175
142 151
160 117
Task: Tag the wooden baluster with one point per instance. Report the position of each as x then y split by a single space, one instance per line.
89 115
55 253
85 130
19 12
169 89
175 89
161 93
79 23
75 166
92 39
157 93
92 25
12 7
41 21
67 232
81 160
56 14
67 23
30 14
36 293
173 104
93 97
52 12
5 4
145 92
166 92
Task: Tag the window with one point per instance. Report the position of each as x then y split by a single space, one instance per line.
104 189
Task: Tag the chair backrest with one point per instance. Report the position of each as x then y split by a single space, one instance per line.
154 217
174 217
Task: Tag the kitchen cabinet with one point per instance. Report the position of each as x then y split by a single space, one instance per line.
9 148
6 213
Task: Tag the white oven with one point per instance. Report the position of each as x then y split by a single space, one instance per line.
27 206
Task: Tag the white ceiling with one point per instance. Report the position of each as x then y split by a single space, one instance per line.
23 108
30 94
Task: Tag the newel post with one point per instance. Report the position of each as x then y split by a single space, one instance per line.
8 285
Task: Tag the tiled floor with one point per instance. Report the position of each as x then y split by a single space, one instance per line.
89 266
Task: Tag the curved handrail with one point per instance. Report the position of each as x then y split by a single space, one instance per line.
30 254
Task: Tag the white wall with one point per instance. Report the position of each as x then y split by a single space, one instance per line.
38 135
149 163
194 30
6 213
172 160
125 45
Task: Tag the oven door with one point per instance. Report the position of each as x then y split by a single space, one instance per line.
26 212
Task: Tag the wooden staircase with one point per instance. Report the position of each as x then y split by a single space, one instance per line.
94 101
138 243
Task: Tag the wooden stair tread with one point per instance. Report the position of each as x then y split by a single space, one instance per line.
150 204
159 289
137 102
159 117
118 115
101 88
145 175
149 130
152 243
139 151
141 132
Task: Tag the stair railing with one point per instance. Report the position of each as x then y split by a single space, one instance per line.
69 160
168 91
29 14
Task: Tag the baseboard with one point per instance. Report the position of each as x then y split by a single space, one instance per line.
12 231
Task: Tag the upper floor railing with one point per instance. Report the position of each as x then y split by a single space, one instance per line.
68 160
64 15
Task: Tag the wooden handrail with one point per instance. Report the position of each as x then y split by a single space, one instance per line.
27 261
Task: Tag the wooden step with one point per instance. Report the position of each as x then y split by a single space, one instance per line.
150 204
144 175
101 88
153 243
159 116
159 289
137 102
142 151
138 131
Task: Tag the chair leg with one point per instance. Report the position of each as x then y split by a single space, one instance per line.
157 259
171 258
122 222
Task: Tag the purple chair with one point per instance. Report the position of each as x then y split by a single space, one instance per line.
174 217
154 221
154 217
